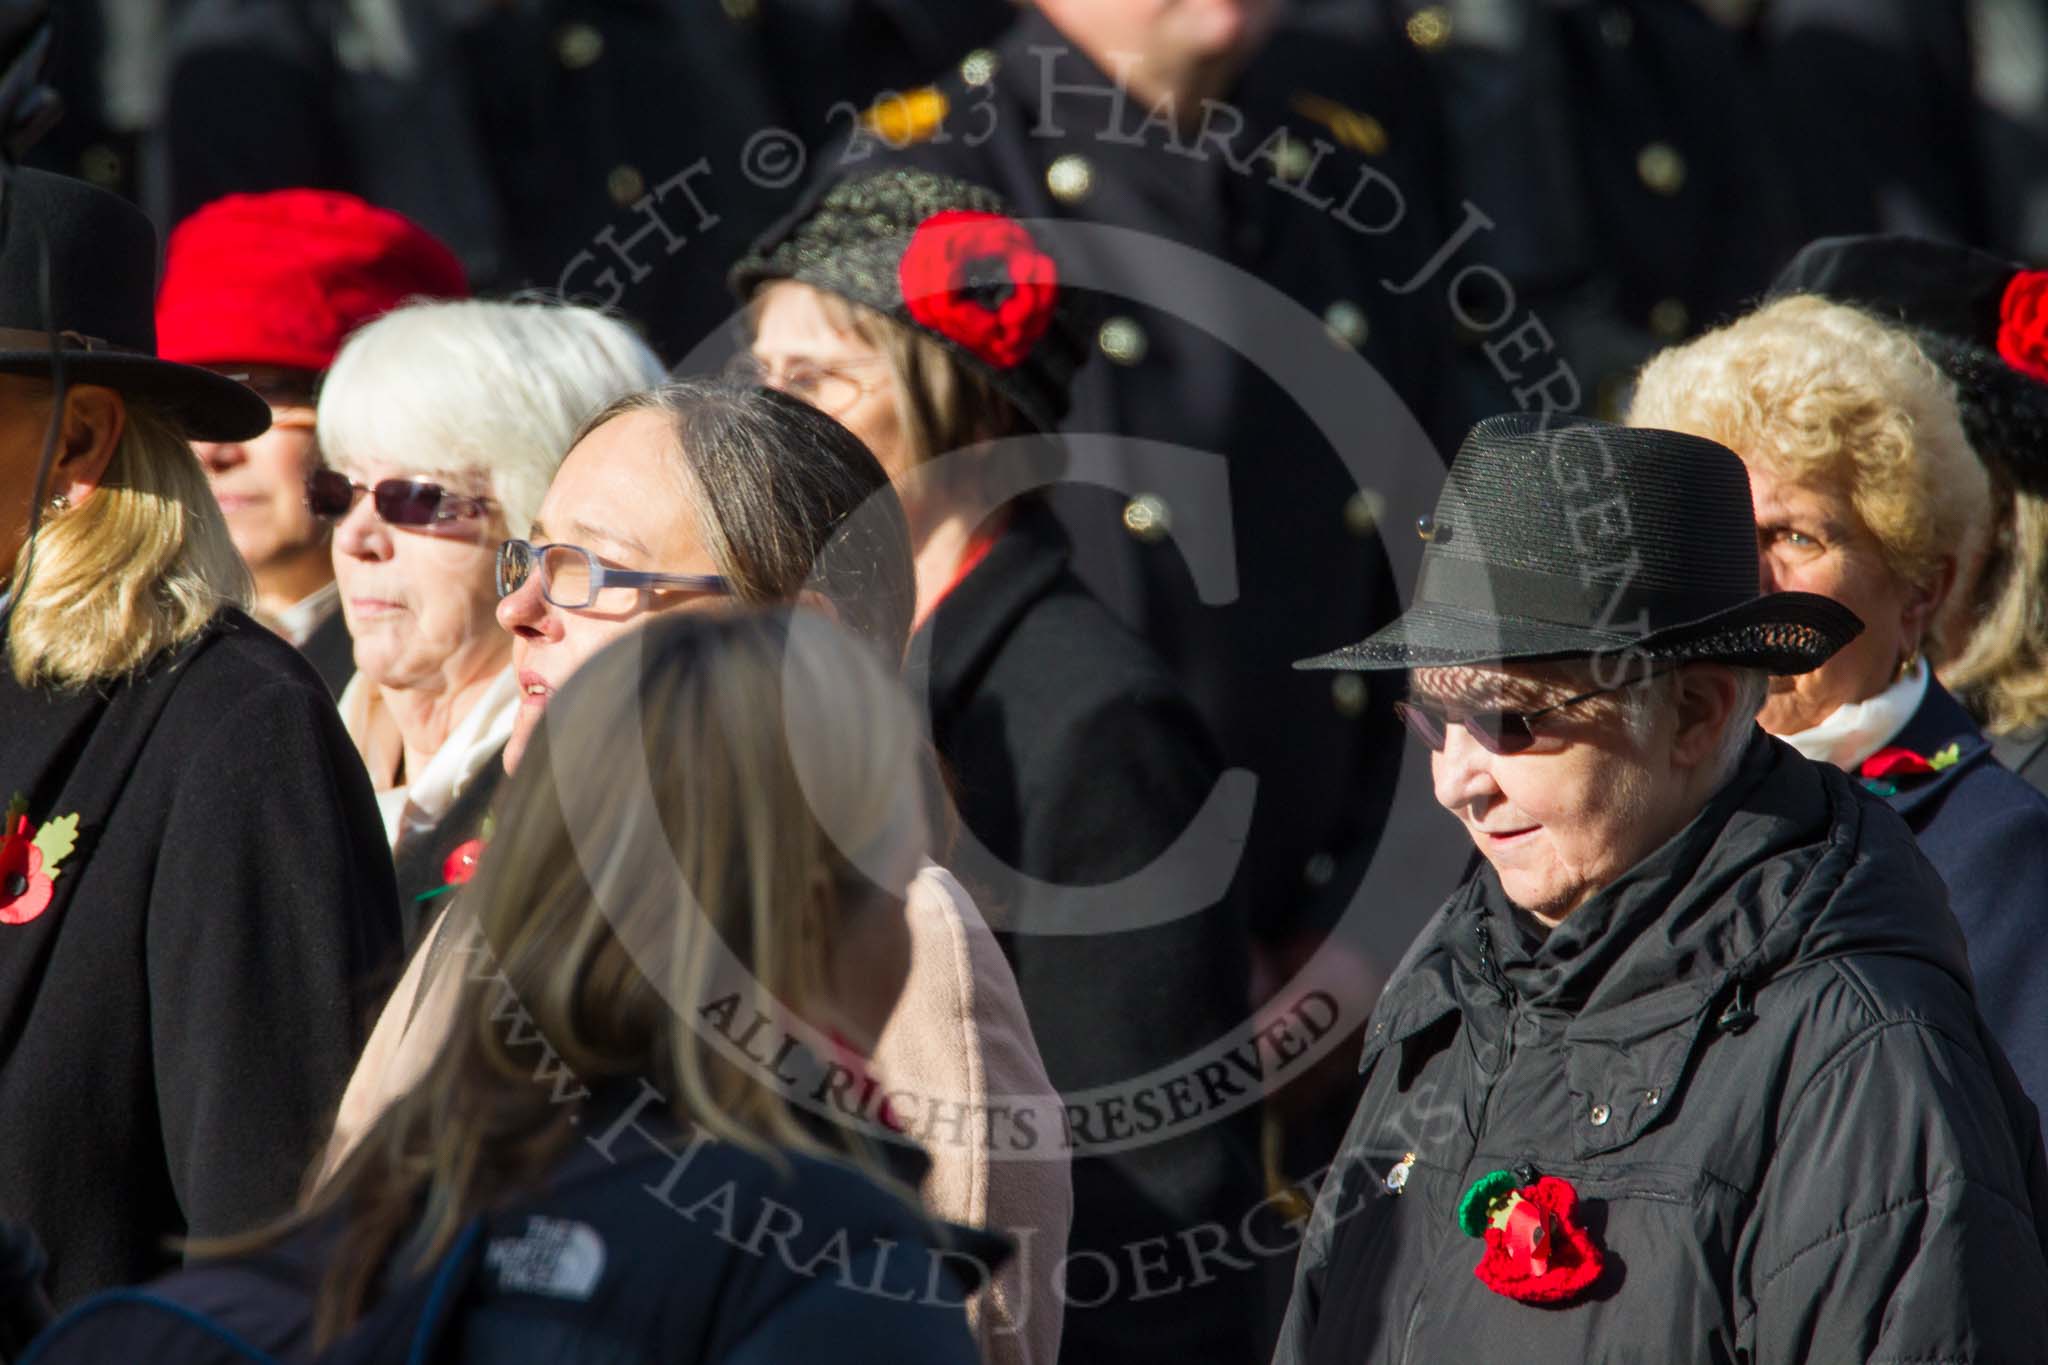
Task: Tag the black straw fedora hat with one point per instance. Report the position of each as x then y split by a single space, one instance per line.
1966 308
102 255
1566 538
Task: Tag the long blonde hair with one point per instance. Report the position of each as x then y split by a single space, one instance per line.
2003 671
713 793
136 569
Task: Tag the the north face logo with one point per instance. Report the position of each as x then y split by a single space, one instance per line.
555 1256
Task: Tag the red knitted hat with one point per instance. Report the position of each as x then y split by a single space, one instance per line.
282 278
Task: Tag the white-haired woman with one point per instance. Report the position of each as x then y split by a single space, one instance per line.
192 879
698 497
1867 491
441 425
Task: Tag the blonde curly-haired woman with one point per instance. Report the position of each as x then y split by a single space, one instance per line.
614 1154
1867 491
193 882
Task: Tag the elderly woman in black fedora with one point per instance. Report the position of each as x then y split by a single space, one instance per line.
915 309
193 883
1866 489
1691 1063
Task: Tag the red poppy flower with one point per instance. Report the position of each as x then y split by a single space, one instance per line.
2023 323
979 279
1542 1255
21 866
460 865
1895 762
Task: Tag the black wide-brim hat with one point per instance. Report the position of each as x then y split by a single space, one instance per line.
1568 538
1951 299
864 237
102 256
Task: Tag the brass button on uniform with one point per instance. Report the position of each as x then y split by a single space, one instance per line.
1347 694
1321 868
1148 518
1070 177
1661 168
625 184
578 46
1345 321
1123 340
1362 512
1599 1115
1668 319
979 66
101 165
1430 28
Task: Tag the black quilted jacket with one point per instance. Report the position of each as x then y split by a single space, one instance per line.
1757 1059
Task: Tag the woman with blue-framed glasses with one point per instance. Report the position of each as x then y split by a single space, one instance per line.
707 497
689 497
573 578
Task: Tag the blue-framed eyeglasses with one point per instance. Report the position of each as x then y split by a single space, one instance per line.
571 577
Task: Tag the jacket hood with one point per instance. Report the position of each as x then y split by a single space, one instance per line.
1787 867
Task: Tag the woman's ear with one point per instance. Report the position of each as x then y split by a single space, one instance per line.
94 418
1706 698
1923 608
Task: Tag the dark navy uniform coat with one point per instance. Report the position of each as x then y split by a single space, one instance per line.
1985 829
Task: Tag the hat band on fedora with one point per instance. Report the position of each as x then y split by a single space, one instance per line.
28 339
1607 601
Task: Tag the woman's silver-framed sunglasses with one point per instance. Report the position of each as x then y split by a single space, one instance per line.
571 577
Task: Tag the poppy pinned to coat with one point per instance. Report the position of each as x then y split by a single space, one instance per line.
1882 770
1536 1251
29 858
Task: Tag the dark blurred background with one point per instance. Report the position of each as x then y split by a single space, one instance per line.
1649 163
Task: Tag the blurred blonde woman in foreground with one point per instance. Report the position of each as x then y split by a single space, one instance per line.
594 1169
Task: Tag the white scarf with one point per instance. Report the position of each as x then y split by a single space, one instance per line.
421 801
1855 731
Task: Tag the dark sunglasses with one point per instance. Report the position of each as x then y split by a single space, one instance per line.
1499 731
571 577
402 502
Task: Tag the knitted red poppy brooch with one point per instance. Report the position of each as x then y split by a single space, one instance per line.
1882 770
1536 1252
2023 323
980 280
29 858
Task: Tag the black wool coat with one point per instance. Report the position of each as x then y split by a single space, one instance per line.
1986 832
177 1025
1077 760
1757 1059
1187 362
